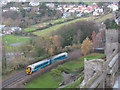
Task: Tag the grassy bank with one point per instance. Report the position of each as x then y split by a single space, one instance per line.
29 29
55 27
103 18
41 25
46 80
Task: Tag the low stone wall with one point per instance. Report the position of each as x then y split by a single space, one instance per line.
100 73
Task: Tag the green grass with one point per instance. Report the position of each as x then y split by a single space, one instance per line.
58 20
47 81
55 27
46 23
14 39
44 81
79 62
29 29
40 25
104 18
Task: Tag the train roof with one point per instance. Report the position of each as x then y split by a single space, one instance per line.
45 60
40 62
59 55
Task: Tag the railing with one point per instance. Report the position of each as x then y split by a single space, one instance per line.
108 68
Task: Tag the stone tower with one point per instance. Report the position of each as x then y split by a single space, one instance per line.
111 46
111 42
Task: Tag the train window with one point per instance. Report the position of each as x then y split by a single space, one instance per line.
59 57
41 65
45 63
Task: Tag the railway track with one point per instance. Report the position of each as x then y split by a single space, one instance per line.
14 79
22 75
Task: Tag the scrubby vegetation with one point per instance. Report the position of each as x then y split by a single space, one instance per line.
110 24
47 31
56 73
76 32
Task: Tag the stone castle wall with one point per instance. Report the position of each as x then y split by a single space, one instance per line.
111 42
91 66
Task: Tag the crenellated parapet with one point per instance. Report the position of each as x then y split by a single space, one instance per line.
111 36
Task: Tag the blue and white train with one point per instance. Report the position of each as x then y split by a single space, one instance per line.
33 67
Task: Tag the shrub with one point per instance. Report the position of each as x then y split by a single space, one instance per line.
63 69
56 72
67 48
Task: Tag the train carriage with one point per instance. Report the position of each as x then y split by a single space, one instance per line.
33 67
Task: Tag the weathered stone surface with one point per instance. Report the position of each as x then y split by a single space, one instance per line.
111 45
111 36
92 66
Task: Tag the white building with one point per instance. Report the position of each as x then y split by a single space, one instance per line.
3 27
5 10
34 3
66 14
95 13
113 7
14 8
99 10
79 15
51 5
71 10
3 2
16 29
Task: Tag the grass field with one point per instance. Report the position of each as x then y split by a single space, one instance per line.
55 27
14 39
40 25
29 29
58 20
46 80
104 18
61 20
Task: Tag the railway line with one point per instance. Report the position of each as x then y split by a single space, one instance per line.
7 83
14 79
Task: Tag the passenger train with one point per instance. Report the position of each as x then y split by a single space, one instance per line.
33 67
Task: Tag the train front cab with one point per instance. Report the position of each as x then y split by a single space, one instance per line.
29 70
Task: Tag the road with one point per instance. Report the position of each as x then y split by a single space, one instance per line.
11 81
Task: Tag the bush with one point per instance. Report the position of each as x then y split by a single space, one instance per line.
76 32
110 24
67 48
56 73
63 69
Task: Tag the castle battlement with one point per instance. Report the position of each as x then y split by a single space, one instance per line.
111 31
111 36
